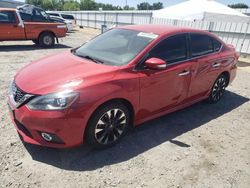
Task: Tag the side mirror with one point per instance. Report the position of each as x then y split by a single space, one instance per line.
156 63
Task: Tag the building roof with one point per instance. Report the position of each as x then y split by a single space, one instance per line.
200 10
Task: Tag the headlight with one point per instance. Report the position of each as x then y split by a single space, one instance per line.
62 26
54 101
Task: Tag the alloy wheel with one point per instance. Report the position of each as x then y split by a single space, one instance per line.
219 88
110 126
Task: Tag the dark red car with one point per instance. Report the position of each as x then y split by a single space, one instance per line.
122 78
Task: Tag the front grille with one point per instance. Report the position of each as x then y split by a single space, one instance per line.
17 93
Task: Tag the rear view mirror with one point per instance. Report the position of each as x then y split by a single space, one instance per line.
156 63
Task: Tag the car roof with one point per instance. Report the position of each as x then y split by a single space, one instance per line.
161 29
8 9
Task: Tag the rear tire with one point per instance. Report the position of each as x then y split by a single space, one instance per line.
218 89
107 125
46 40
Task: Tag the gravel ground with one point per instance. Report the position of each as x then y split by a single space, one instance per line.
200 146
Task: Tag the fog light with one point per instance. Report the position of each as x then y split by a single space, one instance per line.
47 137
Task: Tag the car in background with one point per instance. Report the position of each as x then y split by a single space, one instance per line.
62 20
121 78
17 25
64 16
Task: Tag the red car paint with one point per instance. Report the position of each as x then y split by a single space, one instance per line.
151 93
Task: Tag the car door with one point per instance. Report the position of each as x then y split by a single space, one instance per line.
161 90
10 29
207 64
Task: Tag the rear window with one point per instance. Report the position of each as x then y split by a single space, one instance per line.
67 16
7 17
26 17
201 45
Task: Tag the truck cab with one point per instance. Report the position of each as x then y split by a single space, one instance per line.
40 31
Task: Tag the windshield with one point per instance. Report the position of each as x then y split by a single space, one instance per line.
116 47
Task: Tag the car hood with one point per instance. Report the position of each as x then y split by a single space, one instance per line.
61 71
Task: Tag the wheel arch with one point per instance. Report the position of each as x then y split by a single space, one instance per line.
47 31
124 101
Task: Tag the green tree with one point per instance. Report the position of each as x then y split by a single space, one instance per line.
128 8
147 6
88 5
239 5
34 2
71 5
144 6
47 4
157 6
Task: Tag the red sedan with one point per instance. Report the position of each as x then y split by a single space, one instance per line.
122 78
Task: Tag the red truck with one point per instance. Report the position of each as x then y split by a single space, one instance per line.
15 25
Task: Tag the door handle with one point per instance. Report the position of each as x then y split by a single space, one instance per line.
184 73
216 65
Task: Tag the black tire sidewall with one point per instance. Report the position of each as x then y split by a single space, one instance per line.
90 129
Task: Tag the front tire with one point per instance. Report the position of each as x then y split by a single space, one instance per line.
107 125
47 40
218 89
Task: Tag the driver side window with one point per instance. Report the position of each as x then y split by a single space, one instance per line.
7 17
171 50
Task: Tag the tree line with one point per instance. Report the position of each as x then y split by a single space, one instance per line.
72 5
239 5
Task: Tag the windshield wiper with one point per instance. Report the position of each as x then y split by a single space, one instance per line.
91 58
87 57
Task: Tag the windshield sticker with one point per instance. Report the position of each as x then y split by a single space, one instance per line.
147 35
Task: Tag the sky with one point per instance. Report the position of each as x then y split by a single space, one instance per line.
165 2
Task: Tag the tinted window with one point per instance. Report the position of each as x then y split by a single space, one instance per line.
39 16
172 50
217 45
53 14
7 17
26 17
69 17
201 45
57 20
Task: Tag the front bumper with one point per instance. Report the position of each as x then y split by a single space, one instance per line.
67 125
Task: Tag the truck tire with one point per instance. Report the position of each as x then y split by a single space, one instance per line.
46 40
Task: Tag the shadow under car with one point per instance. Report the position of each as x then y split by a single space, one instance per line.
140 139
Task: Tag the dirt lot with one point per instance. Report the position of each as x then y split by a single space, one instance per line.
200 146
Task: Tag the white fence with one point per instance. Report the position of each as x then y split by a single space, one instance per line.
237 34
